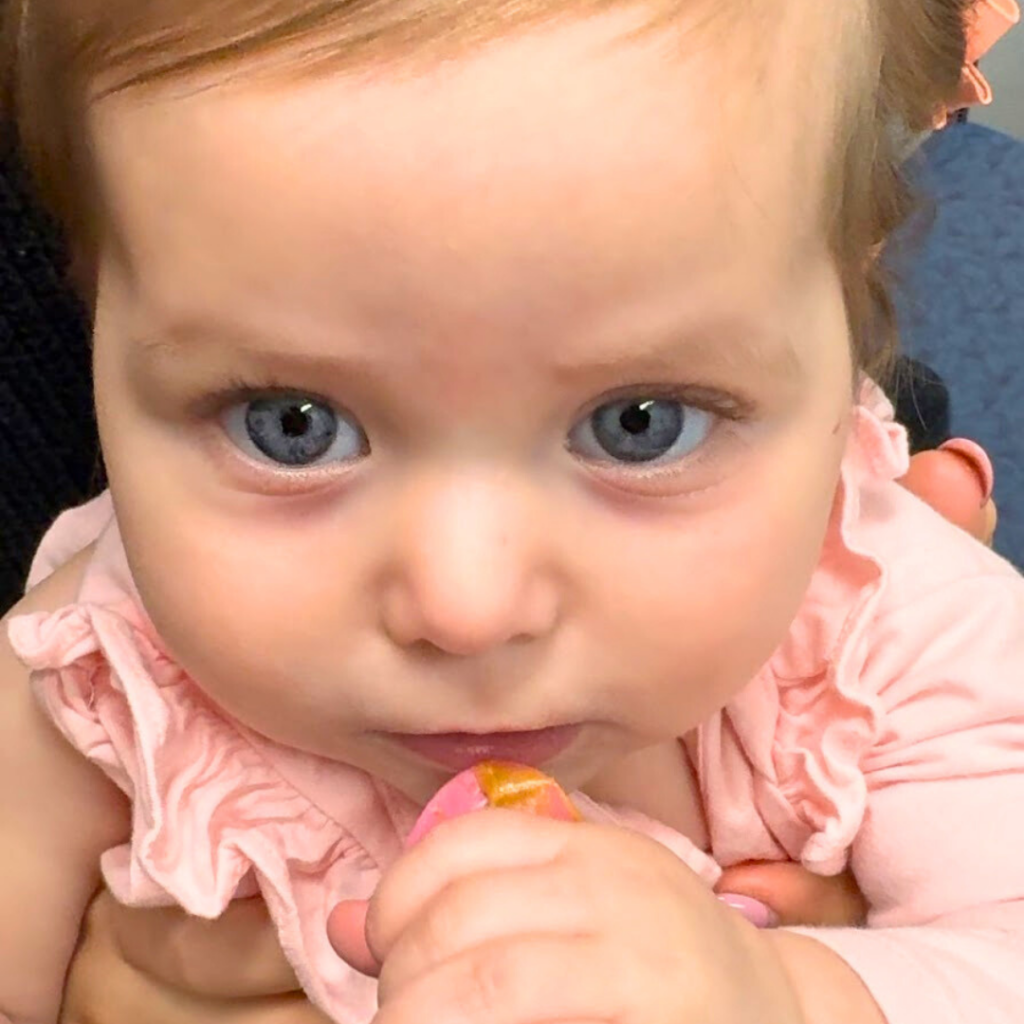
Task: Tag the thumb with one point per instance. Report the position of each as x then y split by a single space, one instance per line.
346 931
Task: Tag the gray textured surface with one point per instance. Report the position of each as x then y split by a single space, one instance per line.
962 304
1004 68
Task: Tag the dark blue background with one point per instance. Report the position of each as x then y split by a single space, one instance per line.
962 300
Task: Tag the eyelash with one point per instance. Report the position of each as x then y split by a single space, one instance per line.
247 389
733 407
730 409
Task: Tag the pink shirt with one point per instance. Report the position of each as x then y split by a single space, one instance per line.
887 732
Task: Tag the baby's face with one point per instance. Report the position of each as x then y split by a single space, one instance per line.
503 396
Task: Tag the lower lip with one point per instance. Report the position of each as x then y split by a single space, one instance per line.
460 750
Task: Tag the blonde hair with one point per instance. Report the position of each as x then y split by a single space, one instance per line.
61 52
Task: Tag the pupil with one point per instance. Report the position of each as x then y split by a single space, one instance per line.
635 420
295 421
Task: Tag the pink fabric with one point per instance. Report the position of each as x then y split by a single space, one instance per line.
887 731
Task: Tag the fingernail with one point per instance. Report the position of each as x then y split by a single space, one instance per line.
759 914
977 458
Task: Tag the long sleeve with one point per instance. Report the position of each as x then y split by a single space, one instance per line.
940 855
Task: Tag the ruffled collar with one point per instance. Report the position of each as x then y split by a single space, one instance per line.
795 791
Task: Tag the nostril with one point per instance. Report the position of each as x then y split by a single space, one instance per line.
424 650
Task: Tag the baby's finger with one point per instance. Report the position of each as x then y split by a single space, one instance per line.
478 843
482 909
237 956
529 980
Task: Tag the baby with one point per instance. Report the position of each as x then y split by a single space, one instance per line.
493 380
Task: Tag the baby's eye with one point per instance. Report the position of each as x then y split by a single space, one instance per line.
294 430
641 430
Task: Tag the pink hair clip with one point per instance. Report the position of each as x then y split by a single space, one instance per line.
989 21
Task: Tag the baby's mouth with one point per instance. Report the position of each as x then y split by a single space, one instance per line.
460 750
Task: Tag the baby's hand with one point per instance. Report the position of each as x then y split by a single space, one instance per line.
504 918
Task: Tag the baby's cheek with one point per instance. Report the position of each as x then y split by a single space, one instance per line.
700 607
765 555
243 613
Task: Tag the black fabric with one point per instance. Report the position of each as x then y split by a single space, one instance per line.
921 400
48 449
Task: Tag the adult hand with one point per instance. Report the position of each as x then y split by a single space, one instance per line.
163 967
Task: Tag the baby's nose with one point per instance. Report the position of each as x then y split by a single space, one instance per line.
471 570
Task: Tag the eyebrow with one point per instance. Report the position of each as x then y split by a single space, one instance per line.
225 342
719 350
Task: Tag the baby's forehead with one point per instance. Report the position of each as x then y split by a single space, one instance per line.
562 193
542 115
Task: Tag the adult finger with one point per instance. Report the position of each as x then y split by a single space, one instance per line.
795 895
103 988
236 956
